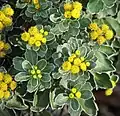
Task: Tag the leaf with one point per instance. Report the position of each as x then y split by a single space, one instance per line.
50 36
94 6
42 51
26 65
103 64
31 56
32 85
17 62
16 103
46 77
87 86
114 24
22 76
20 5
42 64
74 104
61 99
102 80
89 107
109 3
118 17
86 94
84 22
49 68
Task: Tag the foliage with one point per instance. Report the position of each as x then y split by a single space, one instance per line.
58 52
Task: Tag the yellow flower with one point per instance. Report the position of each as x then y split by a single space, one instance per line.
67 14
108 92
83 66
70 59
38 36
35 1
99 31
25 36
71 95
77 52
73 55
38 72
1 76
75 14
77 5
8 11
1 94
78 94
2 54
109 34
77 61
2 44
35 67
68 7
82 59
33 30
7 21
93 26
113 84
7 46
13 85
32 72
44 40
34 76
101 40
7 78
31 41
37 43
66 66
73 90
6 94
45 33
1 26
2 16
37 6
105 27
40 76
41 30
87 63
93 35
75 69
3 86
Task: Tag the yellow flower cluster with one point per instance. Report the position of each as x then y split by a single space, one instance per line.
74 93
6 14
35 72
7 84
72 10
100 34
34 36
75 63
36 3
109 91
4 47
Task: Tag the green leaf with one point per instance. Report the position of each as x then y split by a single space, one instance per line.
17 62
89 107
49 68
42 64
74 104
16 103
109 3
61 99
86 94
26 65
114 24
94 6
118 17
84 22
103 64
46 77
87 86
102 80
22 76
42 51
20 5
31 56
50 36
32 85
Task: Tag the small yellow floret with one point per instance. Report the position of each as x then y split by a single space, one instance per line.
68 7
38 72
73 55
35 67
93 26
44 40
6 94
77 52
77 61
1 94
25 36
73 90
37 43
66 66
31 41
40 76
71 95
13 85
83 66
2 44
109 34
1 76
67 14
75 13
3 86
93 35
7 46
45 33
75 69
33 30
32 72
8 11
113 84
2 16
37 6
35 1
77 5
101 40
2 54
38 36
88 64
7 78
78 94
105 27
1 26
41 30
108 92
82 59
70 59
7 21
99 31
